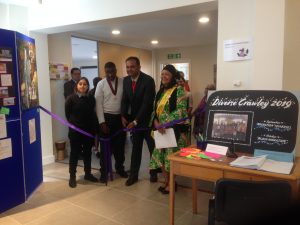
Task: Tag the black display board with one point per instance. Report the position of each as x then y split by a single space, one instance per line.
252 120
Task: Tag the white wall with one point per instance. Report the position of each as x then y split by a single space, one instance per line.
14 17
239 19
4 16
291 65
41 43
268 37
59 52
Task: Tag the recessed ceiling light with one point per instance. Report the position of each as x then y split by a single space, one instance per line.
204 19
95 56
154 42
115 32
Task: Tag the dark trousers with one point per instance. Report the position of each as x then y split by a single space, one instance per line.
137 147
80 144
117 143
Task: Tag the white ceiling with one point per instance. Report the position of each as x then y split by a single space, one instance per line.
175 27
172 28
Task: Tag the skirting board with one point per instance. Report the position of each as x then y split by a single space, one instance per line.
48 159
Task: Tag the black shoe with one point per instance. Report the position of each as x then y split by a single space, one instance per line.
122 173
131 181
72 182
161 188
90 177
165 192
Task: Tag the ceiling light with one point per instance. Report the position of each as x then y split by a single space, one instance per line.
95 57
115 32
154 42
204 19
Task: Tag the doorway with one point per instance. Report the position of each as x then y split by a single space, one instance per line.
85 56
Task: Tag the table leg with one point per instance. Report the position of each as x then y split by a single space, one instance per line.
171 195
194 195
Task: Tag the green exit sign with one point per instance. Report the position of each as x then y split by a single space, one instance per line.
174 56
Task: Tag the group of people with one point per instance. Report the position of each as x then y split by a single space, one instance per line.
129 102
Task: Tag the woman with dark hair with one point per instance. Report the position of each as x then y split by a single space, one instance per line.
80 111
169 106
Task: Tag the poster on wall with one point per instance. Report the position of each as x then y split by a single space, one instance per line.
3 130
6 77
32 131
5 148
28 73
58 71
252 120
235 50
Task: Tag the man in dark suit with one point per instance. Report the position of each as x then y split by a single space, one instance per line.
70 85
136 110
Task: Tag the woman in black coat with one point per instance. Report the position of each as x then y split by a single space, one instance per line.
80 111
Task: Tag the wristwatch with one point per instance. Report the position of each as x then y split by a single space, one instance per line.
134 122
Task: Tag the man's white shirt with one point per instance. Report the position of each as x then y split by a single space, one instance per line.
106 101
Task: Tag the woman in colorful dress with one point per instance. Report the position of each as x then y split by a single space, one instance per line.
186 127
169 106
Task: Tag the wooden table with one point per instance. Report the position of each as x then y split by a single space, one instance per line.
208 170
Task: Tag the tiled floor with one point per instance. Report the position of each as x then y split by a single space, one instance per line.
54 203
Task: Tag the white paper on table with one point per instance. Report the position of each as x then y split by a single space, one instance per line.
166 140
218 149
32 131
5 148
3 131
250 162
6 80
277 166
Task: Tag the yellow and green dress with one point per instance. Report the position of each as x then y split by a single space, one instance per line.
162 111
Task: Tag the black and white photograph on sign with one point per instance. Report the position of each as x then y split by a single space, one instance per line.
230 126
3 67
3 92
5 55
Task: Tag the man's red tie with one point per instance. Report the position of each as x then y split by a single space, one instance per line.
133 85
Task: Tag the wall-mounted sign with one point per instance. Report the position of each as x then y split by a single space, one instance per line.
58 71
174 56
237 50
253 120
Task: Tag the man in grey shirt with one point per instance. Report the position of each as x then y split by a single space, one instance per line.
108 96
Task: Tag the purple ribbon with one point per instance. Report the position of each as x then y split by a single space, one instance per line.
66 123
106 141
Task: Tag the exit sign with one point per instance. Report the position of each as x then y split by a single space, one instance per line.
174 56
